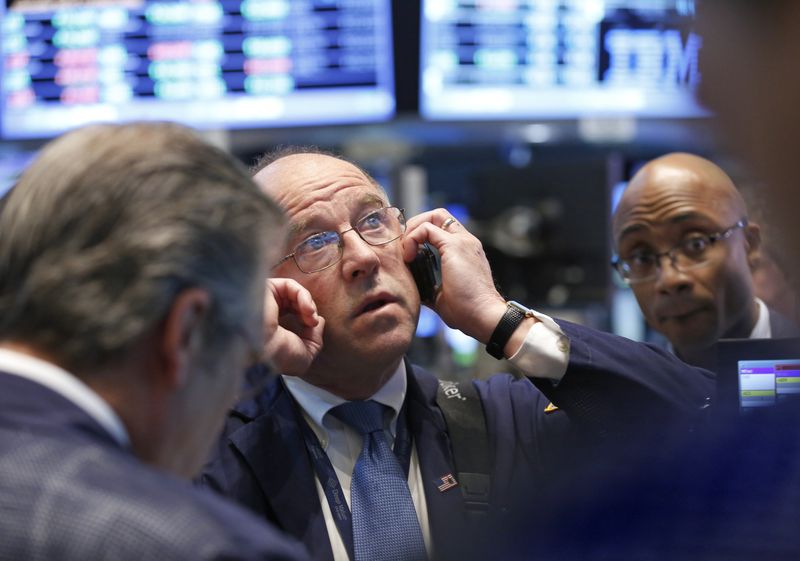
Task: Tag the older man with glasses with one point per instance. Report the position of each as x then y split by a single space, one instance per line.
686 209
349 450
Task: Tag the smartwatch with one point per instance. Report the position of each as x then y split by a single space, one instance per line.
515 313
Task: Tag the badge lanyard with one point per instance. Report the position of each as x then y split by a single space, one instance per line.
330 482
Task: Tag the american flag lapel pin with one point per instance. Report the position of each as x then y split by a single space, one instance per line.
448 482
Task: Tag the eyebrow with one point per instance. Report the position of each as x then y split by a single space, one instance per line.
368 199
676 220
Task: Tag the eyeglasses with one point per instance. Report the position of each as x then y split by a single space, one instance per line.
325 249
691 253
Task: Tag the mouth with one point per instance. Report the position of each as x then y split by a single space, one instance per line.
374 303
679 315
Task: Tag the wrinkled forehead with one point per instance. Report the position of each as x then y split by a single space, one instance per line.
300 181
673 199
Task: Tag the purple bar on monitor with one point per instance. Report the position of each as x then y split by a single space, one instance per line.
763 370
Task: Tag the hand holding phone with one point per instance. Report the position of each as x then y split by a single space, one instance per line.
426 269
467 298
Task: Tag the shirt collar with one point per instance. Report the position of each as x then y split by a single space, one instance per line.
762 328
67 386
316 403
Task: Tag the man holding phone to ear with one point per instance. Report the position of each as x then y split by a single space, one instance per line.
348 395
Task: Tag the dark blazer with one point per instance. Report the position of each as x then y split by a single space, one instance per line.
731 493
68 491
728 493
781 326
611 385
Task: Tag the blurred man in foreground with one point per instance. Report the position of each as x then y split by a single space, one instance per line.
750 80
132 261
686 248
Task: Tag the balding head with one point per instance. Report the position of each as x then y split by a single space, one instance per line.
326 198
677 178
673 206
290 168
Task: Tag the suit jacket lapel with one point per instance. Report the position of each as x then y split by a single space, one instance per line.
446 509
273 446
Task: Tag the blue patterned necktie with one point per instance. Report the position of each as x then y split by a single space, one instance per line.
385 525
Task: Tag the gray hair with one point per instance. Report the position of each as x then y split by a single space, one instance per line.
111 223
281 152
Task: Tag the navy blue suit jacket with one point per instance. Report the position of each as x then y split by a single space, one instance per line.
781 326
728 493
68 491
611 385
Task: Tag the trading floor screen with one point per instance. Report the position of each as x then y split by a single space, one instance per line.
207 63
511 59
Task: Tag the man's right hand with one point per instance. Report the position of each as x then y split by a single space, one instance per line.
292 328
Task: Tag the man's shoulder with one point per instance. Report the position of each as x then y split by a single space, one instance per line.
263 388
110 505
781 326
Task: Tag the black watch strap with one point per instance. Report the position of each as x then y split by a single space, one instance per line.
515 313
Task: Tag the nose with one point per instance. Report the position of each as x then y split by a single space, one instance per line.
358 257
670 279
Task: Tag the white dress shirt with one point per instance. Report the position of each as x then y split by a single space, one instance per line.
342 444
66 385
762 328
544 354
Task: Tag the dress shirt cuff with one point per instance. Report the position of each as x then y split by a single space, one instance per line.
545 351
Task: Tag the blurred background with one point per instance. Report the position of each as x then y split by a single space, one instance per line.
525 118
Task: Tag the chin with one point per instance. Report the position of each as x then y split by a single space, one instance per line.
395 343
377 342
694 342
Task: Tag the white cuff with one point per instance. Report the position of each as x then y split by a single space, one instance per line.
545 351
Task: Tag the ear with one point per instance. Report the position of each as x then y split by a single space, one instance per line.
182 334
752 236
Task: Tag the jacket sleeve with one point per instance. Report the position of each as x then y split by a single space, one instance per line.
614 385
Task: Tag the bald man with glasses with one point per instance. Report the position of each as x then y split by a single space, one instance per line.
687 250
349 450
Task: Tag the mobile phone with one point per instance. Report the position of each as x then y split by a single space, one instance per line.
426 268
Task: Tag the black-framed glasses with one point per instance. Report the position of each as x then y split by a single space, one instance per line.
691 253
325 249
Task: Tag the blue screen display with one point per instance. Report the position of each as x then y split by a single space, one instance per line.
516 59
206 63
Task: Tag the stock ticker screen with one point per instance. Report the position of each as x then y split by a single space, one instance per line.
511 59
206 63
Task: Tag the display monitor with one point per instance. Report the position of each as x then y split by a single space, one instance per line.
206 63
753 373
522 59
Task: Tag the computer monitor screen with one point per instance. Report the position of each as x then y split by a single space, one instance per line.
517 59
206 63
756 373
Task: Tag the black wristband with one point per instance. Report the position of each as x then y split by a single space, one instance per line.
508 324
